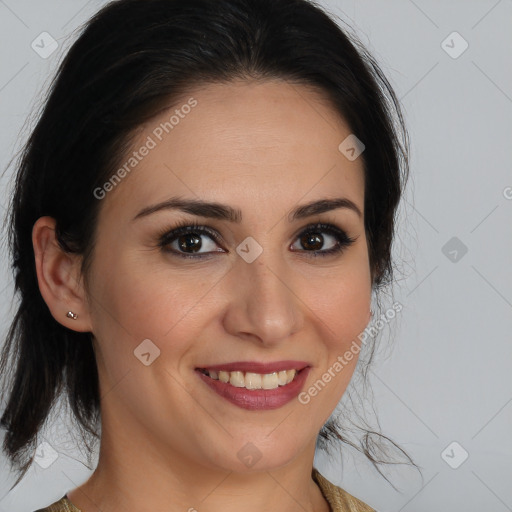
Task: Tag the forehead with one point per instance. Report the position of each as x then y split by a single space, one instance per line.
243 143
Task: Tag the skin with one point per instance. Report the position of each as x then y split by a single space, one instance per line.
168 441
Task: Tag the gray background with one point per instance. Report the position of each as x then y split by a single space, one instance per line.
446 377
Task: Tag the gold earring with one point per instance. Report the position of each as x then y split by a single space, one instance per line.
72 315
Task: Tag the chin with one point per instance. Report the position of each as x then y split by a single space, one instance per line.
256 453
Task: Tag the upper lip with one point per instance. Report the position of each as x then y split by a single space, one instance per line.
257 367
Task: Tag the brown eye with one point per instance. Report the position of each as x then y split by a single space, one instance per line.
312 242
190 241
316 236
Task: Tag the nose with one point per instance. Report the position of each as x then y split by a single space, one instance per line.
264 303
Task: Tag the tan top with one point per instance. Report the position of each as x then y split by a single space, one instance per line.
338 499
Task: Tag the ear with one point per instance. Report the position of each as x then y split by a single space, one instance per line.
58 275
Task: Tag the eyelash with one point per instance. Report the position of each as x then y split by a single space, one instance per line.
166 237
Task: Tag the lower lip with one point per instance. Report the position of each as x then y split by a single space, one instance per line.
258 399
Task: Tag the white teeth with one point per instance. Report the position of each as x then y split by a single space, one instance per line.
223 376
269 381
282 377
237 379
251 380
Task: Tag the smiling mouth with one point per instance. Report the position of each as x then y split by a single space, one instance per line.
253 381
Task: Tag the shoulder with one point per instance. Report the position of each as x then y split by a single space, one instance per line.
339 499
63 505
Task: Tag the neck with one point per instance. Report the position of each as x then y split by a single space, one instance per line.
140 476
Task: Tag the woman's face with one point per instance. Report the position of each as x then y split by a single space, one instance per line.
257 294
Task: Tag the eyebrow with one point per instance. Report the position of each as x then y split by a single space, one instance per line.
220 211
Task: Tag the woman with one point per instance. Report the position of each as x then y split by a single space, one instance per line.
200 218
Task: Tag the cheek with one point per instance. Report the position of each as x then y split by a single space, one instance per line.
151 300
343 319
342 307
138 305
342 299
